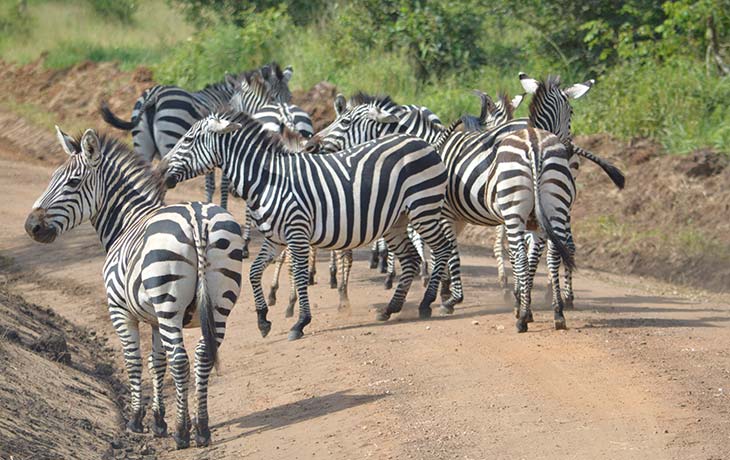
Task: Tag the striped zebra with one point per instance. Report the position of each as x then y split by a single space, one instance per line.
482 166
170 266
339 201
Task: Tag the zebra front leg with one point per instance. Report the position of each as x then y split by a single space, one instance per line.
157 365
263 258
390 276
277 272
177 359
292 288
383 255
553 263
225 186
333 269
299 246
398 241
346 263
374 255
246 233
418 243
128 331
209 187
456 289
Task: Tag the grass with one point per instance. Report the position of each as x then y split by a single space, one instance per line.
70 31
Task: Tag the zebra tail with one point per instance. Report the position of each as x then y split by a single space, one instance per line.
115 121
613 172
205 306
542 219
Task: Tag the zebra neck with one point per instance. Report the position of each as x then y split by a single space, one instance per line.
416 125
124 202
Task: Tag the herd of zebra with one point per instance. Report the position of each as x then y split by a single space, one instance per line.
381 173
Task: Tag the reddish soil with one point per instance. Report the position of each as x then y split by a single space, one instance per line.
641 373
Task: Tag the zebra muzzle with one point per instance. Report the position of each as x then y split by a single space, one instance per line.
37 227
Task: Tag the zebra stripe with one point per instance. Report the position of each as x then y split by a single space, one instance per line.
339 201
163 264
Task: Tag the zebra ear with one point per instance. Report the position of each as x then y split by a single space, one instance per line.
517 100
221 126
340 104
381 115
68 144
579 89
288 71
231 80
528 84
90 146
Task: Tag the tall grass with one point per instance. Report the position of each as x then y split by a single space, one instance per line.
71 31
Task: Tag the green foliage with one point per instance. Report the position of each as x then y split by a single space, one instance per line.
121 10
205 13
212 53
14 20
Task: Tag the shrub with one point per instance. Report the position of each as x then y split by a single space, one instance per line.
121 10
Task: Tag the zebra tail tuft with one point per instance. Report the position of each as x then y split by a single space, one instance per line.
115 121
542 219
205 306
616 175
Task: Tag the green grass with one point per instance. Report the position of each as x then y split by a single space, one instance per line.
70 31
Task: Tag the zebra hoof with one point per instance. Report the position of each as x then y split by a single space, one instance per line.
312 281
560 324
521 326
272 297
333 282
245 252
264 327
373 261
382 316
529 317
447 309
344 306
568 303
134 425
182 439
159 426
388 283
295 334
424 313
202 434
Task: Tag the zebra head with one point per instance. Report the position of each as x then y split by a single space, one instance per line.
70 197
197 151
495 113
363 119
278 117
550 107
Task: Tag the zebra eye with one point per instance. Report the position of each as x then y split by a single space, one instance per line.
346 122
73 182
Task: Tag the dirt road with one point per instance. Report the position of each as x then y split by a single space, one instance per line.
642 371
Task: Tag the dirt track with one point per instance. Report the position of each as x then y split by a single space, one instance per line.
641 373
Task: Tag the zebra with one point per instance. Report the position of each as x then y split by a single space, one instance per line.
476 191
338 201
162 114
162 264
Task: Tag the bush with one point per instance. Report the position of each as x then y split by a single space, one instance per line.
14 20
121 10
212 53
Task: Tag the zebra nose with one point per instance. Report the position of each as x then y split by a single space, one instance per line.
170 182
37 228
312 145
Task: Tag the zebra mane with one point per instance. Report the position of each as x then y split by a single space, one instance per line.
279 143
360 98
121 158
544 89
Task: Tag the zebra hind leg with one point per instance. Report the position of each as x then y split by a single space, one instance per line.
499 255
397 240
128 332
209 187
455 288
157 365
374 254
569 295
383 255
553 263
292 289
518 250
312 266
246 233
299 246
442 251
534 253
346 264
177 359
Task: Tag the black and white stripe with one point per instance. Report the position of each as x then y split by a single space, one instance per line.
339 201
169 266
